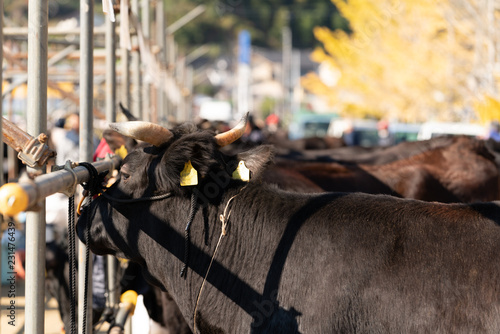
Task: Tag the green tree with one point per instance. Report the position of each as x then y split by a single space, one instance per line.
264 19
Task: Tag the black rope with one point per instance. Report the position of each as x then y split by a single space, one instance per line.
134 200
192 213
86 287
94 184
93 187
72 263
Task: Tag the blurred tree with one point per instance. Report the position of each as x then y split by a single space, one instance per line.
264 19
404 59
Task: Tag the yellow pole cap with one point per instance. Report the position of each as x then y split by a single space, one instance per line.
13 199
129 299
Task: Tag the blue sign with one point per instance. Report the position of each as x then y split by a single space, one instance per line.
244 47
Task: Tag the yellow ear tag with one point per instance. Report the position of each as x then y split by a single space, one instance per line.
242 172
121 152
189 175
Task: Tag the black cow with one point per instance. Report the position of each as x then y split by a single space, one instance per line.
289 262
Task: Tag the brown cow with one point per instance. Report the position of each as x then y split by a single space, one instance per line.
367 155
464 171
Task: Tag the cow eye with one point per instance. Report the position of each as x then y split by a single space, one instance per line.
125 176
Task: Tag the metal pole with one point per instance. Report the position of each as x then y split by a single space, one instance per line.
23 31
111 117
170 62
110 71
21 79
185 19
295 82
86 143
2 171
189 98
180 73
2 179
160 41
287 56
36 123
125 46
125 86
135 107
24 195
146 86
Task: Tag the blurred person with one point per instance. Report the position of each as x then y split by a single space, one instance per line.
384 137
348 135
272 123
67 139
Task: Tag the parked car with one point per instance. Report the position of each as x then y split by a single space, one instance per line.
401 132
359 132
307 125
435 129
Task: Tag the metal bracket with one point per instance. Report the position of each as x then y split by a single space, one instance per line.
70 191
35 152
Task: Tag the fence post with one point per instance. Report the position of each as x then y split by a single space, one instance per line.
86 142
36 123
146 86
111 117
161 112
136 101
2 179
110 70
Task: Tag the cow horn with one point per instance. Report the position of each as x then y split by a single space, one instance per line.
151 133
234 134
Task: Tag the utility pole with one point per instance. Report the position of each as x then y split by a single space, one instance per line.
286 34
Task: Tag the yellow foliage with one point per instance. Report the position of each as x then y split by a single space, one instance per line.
488 109
402 60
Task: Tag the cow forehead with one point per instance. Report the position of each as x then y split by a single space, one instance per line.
138 157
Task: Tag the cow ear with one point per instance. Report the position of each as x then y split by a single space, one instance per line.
257 159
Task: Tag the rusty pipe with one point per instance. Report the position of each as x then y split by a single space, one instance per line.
31 151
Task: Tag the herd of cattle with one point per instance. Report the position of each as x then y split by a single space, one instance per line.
399 239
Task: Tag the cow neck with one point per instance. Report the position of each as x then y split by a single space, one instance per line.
224 218
192 213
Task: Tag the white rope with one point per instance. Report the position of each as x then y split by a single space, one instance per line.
224 219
